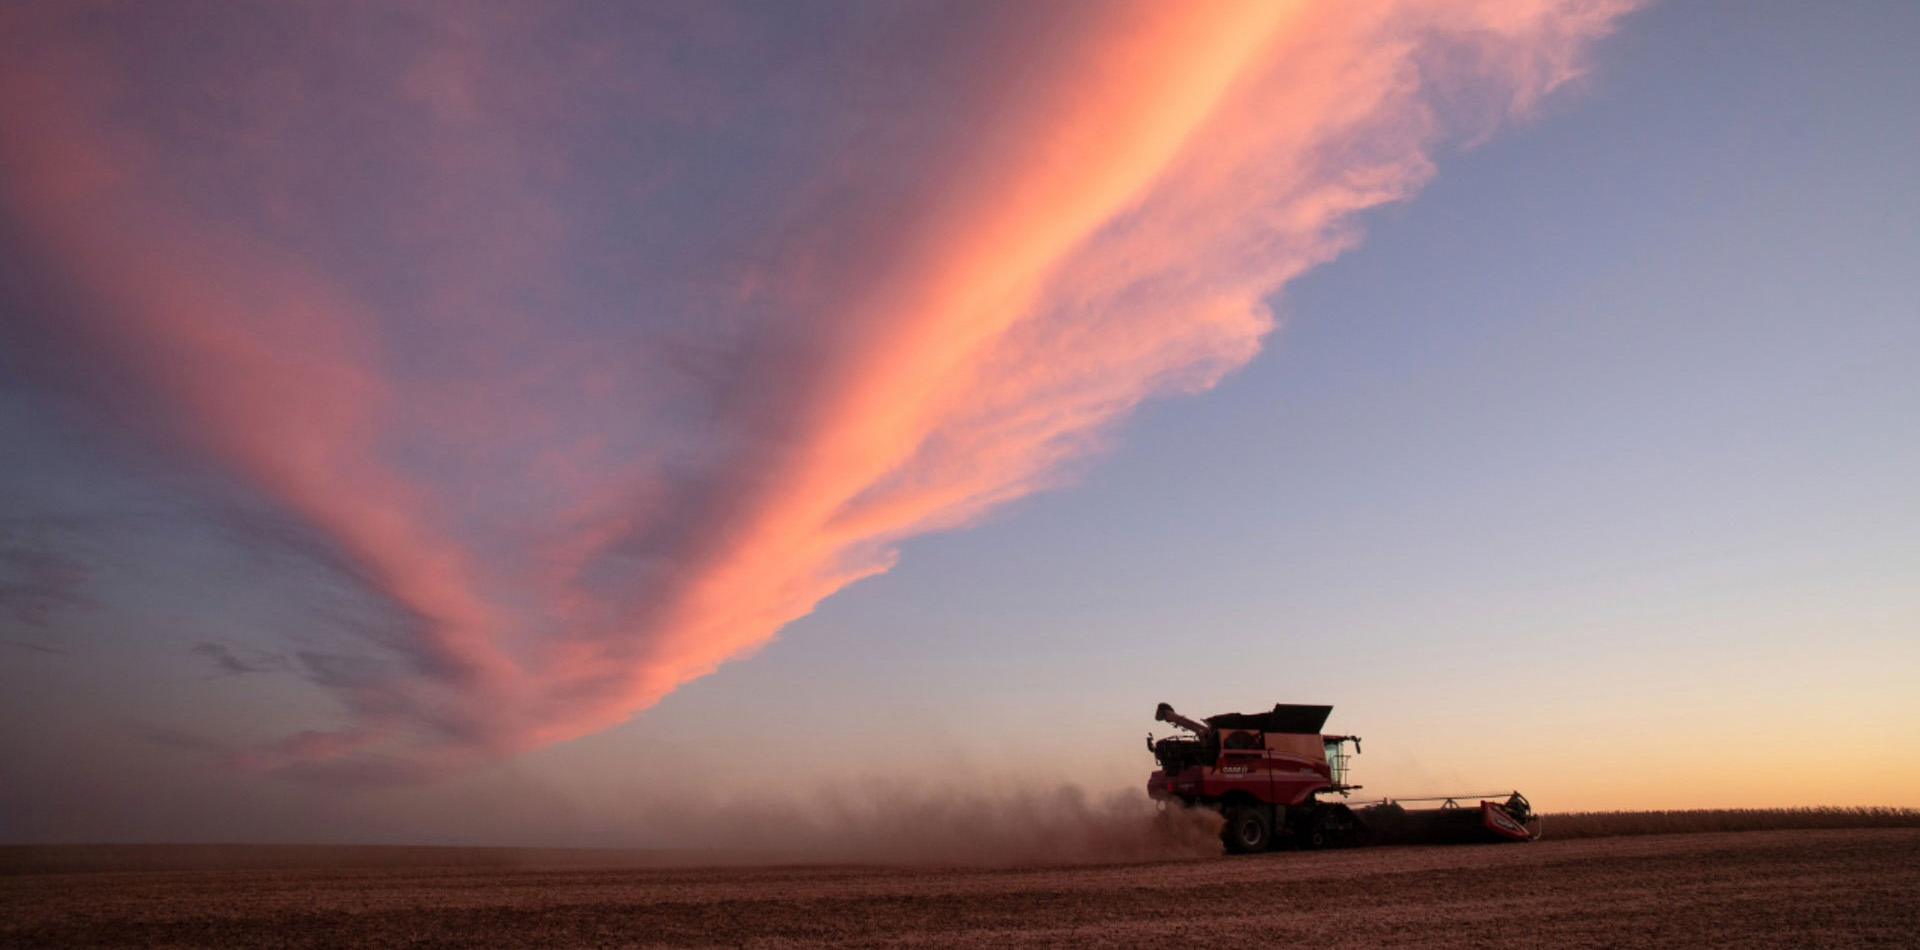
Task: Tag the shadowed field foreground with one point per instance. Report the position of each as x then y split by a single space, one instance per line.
1834 888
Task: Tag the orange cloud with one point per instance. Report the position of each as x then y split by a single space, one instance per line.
1074 211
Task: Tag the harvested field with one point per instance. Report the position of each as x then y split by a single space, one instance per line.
1604 824
1835 888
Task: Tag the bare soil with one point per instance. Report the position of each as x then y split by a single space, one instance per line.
1799 889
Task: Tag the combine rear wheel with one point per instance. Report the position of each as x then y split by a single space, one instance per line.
1247 830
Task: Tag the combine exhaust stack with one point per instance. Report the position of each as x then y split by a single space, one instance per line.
1265 772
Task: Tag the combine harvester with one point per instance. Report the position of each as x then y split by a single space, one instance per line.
1265 772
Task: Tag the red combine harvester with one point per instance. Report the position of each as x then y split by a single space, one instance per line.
1266 771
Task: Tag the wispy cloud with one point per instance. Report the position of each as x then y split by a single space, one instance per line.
231 661
42 573
602 349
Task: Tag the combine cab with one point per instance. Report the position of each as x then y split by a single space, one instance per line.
1265 772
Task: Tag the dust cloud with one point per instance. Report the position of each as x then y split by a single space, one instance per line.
1063 825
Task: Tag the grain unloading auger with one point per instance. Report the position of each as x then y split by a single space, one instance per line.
1265 772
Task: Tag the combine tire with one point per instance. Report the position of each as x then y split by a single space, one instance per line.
1247 831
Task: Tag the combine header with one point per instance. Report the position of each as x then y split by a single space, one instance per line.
1265 772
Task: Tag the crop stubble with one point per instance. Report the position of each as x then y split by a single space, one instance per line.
1857 888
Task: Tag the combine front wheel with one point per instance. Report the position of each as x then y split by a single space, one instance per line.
1247 830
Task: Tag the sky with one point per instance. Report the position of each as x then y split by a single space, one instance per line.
597 424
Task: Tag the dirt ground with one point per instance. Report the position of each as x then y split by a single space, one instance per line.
1799 889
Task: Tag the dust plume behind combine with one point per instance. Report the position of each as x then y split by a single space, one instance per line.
876 825
903 825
